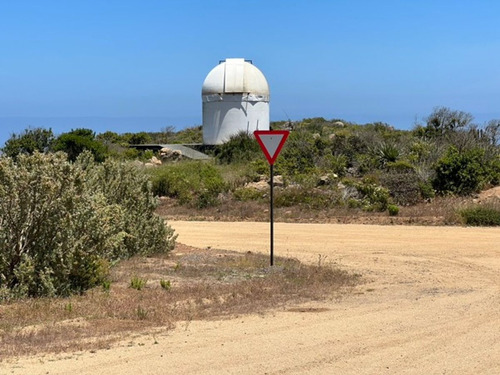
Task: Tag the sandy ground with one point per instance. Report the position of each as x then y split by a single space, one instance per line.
430 304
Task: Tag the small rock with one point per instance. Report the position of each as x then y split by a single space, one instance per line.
278 181
169 154
351 171
155 161
259 186
324 180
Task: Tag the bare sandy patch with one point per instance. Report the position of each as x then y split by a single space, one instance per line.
431 305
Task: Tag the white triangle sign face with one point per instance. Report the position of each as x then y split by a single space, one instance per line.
271 142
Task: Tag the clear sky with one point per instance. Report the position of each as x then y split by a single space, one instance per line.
130 65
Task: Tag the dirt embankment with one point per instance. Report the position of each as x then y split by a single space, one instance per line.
430 304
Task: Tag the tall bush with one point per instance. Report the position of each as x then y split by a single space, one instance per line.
366 194
123 185
31 140
298 155
77 141
463 172
240 148
62 223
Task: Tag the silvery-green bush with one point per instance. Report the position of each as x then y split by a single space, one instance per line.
63 224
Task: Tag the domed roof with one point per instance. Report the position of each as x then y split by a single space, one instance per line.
234 76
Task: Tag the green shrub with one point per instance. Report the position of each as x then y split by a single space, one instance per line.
137 283
400 166
76 141
301 195
335 163
165 284
313 124
146 155
371 196
298 155
142 314
28 142
426 190
51 233
246 194
461 173
347 142
106 286
419 151
62 224
128 189
393 210
365 163
387 153
189 135
240 148
494 171
137 138
353 203
109 137
404 186
481 216
261 167
197 184
236 176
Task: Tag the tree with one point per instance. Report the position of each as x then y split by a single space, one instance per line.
37 139
443 120
109 137
77 141
140 138
492 131
167 133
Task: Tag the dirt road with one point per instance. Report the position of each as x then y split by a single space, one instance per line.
430 305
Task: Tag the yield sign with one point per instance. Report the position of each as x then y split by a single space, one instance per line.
271 142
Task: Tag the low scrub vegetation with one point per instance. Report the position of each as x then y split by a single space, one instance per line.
189 285
325 164
481 215
196 184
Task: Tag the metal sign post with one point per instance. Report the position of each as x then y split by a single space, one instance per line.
271 143
271 213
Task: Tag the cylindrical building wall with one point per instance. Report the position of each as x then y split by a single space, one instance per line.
231 115
235 98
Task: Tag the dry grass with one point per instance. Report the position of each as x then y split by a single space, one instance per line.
197 284
439 211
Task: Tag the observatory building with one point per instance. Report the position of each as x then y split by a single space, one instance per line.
235 98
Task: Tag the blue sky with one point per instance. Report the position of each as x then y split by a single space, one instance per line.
139 65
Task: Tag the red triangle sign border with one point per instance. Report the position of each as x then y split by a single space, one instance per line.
259 133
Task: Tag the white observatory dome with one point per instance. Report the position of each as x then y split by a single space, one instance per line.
235 98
